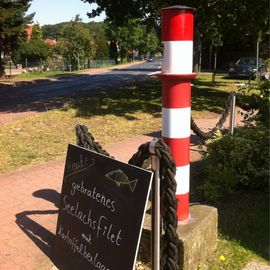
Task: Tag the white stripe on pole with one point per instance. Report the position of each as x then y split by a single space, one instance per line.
176 122
178 57
182 179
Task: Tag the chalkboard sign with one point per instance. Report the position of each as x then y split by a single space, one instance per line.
101 212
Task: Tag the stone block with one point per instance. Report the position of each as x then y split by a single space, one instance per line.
197 236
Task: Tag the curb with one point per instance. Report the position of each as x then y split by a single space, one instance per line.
23 82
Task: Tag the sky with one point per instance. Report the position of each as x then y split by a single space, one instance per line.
56 11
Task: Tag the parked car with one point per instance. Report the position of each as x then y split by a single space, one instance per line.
246 67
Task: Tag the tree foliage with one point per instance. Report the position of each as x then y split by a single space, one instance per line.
98 30
34 51
13 21
76 43
132 37
217 21
33 48
36 32
52 31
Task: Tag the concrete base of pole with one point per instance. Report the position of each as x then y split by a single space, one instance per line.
198 237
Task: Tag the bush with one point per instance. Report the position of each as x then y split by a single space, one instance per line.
267 62
237 161
258 106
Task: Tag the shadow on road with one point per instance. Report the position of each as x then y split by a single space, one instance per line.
44 95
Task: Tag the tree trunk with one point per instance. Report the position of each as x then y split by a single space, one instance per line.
2 70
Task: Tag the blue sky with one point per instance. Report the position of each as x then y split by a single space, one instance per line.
56 11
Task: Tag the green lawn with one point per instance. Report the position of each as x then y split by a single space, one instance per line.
45 74
243 230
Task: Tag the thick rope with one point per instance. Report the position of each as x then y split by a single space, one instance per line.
86 140
170 256
220 123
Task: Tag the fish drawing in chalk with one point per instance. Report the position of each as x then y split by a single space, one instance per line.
120 178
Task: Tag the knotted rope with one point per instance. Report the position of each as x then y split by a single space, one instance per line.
86 140
170 256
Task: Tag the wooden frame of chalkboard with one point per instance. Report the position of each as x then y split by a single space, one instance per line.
101 212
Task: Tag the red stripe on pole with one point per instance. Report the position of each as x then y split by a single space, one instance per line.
177 24
175 94
183 203
180 150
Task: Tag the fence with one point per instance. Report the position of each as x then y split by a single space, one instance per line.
61 65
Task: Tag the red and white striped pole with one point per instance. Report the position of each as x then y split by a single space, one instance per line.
176 75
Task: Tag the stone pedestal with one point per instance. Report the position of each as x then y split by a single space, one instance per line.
198 237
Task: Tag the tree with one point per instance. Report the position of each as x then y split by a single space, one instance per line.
132 37
229 22
117 12
36 32
13 21
52 31
245 16
33 49
76 43
98 31
150 44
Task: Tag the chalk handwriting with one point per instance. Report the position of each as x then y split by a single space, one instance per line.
93 194
101 225
78 166
87 238
77 247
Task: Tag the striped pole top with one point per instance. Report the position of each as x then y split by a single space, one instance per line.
177 23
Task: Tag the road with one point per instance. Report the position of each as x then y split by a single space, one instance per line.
45 95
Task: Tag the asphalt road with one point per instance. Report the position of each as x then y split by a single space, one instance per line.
44 95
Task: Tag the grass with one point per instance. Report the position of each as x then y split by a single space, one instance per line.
125 112
44 136
122 113
45 74
243 230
